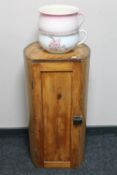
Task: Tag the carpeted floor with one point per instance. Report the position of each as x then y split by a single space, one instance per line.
100 157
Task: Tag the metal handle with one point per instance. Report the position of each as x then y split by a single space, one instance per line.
77 120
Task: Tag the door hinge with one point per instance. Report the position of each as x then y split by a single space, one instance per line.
32 84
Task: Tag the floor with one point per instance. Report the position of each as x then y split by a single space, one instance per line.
100 157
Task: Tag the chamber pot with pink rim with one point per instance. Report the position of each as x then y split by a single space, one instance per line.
60 19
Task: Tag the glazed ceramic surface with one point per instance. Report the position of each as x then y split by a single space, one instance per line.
61 44
64 19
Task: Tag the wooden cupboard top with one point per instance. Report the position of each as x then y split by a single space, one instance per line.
35 52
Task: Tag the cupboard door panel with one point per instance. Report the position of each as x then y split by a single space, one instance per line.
57 98
56 102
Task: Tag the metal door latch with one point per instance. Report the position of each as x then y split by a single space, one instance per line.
77 120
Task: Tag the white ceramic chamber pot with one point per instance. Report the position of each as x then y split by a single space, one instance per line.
60 18
61 44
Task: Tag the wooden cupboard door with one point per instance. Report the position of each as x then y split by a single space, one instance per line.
57 88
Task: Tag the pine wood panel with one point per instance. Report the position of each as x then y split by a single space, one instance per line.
76 111
34 142
56 90
83 101
58 164
37 116
56 66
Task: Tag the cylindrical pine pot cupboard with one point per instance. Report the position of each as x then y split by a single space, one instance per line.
57 90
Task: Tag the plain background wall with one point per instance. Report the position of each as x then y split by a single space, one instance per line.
19 27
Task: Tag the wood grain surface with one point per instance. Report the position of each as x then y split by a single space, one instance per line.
35 52
57 92
56 113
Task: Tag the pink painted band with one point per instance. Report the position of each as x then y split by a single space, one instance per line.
52 15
